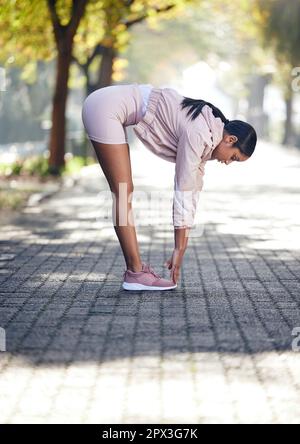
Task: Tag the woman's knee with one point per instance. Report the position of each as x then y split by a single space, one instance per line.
122 189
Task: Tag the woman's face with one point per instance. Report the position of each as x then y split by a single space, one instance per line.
226 153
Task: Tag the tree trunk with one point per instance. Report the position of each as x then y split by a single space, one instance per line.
64 37
106 68
256 115
288 138
87 149
90 87
58 131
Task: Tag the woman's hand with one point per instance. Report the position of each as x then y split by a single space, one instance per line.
174 264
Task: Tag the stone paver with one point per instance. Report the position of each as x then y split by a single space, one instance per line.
216 350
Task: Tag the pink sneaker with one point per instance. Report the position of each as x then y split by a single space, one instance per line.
146 279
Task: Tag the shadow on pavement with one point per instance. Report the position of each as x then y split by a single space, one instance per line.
67 305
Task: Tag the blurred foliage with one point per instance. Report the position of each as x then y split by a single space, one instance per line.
280 26
33 166
25 104
11 199
37 166
108 26
26 32
217 32
14 194
41 30
253 37
75 163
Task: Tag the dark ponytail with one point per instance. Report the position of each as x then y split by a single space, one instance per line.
196 108
245 133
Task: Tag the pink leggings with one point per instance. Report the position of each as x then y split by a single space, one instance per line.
107 112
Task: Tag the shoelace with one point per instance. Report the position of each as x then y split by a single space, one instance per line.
149 269
146 269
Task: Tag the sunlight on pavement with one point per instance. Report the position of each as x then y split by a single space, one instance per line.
199 387
218 350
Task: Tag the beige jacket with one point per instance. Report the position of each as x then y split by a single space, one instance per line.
167 131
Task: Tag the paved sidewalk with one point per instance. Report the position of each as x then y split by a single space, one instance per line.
216 350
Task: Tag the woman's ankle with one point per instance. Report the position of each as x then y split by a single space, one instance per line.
135 267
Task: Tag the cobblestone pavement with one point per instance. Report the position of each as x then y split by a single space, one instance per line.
218 349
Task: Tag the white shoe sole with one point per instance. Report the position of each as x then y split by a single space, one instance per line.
128 286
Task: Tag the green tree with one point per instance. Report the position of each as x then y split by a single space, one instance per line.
280 26
34 30
215 31
40 30
105 33
64 33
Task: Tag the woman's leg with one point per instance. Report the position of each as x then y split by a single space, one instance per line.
115 163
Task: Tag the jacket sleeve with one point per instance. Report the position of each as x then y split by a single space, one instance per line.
188 180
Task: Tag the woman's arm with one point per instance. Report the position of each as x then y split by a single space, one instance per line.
188 179
181 236
188 183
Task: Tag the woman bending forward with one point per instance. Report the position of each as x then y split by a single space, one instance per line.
178 129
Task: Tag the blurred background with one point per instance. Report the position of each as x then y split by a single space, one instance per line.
241 55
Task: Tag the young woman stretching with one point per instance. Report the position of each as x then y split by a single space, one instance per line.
178 129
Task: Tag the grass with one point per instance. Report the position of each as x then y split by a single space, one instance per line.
20 179
75 163
37 166
13 199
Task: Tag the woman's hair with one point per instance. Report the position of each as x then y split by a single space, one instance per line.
245 133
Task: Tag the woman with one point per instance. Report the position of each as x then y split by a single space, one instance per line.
178 129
